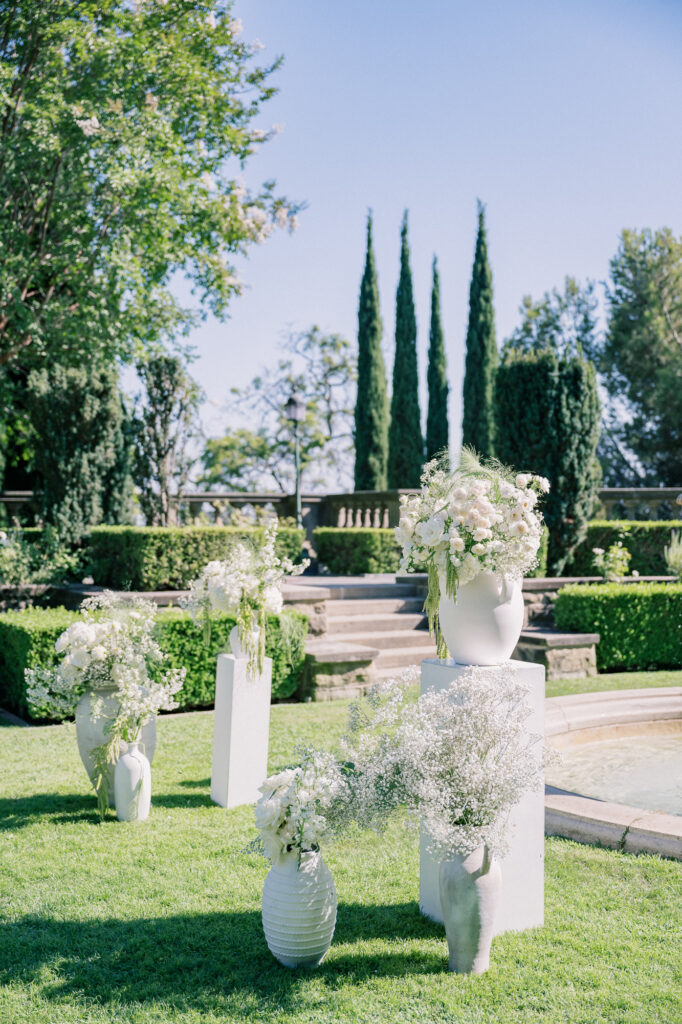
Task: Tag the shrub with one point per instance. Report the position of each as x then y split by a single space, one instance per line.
27 640
646 542
640 624
168 558
351 552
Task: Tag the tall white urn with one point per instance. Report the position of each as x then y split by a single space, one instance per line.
482 623
91 732
299 909
469 897
133 784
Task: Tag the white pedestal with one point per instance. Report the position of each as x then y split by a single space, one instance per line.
523 868
240 732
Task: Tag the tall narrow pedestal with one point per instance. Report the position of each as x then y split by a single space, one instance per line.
240 732
523 868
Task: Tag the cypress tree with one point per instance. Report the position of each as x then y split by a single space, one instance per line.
437 431
371 408
478 427
405 440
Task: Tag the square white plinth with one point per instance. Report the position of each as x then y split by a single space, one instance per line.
522 903
240 732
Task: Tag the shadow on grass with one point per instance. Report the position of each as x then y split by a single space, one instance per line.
201 960
61 807
181 800
195 783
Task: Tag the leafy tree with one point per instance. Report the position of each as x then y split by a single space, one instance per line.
478 423
437 430
640 359
322 369
163 427
405 440
79 449
120 124
562 322
371 407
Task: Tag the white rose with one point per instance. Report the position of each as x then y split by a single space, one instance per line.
506 489
481 533
431 533
523 479
479 549
456 543
98 653
543 484
518 529
268 813
272 600
459 494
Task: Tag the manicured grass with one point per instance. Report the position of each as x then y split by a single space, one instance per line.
614 681
161 922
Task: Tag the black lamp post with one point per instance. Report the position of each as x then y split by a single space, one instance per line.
294 411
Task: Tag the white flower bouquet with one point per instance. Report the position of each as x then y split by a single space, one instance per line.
477 518
295 811
246 584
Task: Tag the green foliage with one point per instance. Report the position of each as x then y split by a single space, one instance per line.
561 322
641 356
27 640
673 554
37 556
351 552
167 558
118 121
77 419
645 542
478 424
547 414
371 407
612 564
166 421
437 429
405 441
640 624
321 369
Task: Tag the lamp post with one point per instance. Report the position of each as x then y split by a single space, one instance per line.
294 411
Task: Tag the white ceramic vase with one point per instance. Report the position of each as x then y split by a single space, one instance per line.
482 623
469 897
237 644
133 784
299 909
91 732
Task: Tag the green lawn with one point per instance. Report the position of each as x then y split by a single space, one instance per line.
161 922
614 681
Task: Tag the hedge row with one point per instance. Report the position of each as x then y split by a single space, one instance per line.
27 640
155 558
640 624
644 540
358 550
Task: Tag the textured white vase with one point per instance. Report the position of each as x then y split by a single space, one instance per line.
482 623
237 645
91 732
469 897
299 910
133 784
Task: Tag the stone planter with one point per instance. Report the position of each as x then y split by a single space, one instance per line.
482 623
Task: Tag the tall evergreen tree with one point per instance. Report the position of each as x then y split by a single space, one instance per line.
371 407
437 430
405 440
478 427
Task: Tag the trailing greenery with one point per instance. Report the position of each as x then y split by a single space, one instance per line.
437 426
640 624
405 440
478 424
547 414
27 640
371 407
353 551
110 924
167 558
645 540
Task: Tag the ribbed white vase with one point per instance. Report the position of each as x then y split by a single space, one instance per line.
481 625
299 909
92 732
133 784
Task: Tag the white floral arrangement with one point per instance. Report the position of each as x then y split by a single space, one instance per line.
294 812
246 584
477 518
111 645
458 759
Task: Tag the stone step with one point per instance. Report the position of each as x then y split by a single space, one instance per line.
375 606
363 591
375 623
388 639
403 657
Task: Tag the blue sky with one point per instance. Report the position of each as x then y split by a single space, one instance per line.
563 117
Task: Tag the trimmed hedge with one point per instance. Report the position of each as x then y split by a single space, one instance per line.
169 558
644 540
353 551
640 624
27 640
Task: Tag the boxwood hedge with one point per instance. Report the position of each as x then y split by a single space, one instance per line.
167 558
27 640
640 624
644 540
